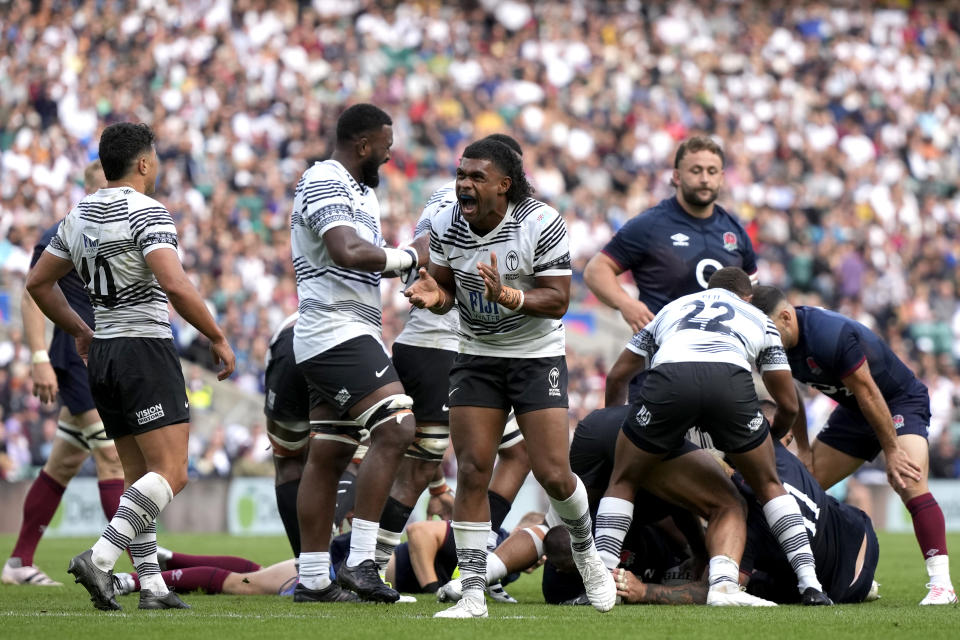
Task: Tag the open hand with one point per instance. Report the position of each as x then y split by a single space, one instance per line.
491 278
425 293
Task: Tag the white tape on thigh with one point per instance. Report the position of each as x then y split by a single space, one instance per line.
431 442
511 434
96 436
71 434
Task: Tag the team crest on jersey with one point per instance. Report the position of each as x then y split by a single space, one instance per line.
730 241
643 416
756 423
898 422
680 240
513 260
554 379
814 367
91 244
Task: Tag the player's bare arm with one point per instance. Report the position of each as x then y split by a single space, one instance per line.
435 290
899 465
628 365
166 267
601 275
635 591
41 371
350 251
800 435
43 288
548 299
784 393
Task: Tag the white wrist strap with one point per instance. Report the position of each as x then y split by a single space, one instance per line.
399 260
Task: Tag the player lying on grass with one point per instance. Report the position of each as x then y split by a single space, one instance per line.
416 565
843 543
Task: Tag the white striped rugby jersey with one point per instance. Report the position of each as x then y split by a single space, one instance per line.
425 328
713 325
336 304
106 236
530 241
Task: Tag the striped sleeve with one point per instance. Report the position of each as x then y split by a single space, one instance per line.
552 254
58 245
152 228
643 344
327 204
772 356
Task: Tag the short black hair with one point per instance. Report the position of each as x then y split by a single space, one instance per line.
767 298
360 119
121 144
732 279
508 161
556 546
503 138
695 144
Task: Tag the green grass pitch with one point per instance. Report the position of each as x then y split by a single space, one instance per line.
65 613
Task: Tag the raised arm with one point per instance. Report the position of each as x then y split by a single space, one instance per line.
348 250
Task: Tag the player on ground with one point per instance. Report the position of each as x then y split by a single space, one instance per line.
699 349
286 407
354 389
424 351
883 407
511 354
79 432
124 245
673 248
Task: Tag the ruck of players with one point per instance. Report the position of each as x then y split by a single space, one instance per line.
697 483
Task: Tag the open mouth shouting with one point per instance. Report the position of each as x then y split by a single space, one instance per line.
468 205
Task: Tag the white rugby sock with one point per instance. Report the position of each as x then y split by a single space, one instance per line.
938 568
315 569
143 548
139 507
363 541
387 542
471 540
496 570
786 522
574 511
613 521
724 574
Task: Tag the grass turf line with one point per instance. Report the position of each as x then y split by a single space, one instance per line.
40 612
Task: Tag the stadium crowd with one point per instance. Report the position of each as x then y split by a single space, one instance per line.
841 128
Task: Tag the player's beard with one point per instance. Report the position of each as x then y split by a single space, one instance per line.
370 173
693 197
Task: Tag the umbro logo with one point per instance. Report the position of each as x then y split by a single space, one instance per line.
680 240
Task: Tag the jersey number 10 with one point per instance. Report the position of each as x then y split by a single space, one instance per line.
99 280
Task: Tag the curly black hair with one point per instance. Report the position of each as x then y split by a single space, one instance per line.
360 119
121 144
505 159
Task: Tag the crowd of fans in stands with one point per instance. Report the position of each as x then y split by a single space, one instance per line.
841 127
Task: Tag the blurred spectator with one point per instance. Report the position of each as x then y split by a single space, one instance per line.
214 460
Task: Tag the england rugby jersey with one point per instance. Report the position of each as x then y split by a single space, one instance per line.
425 328
530 241
106 236
336 304
714 325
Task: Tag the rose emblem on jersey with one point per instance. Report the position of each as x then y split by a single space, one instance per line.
814 367
730 241
898 422
513 261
